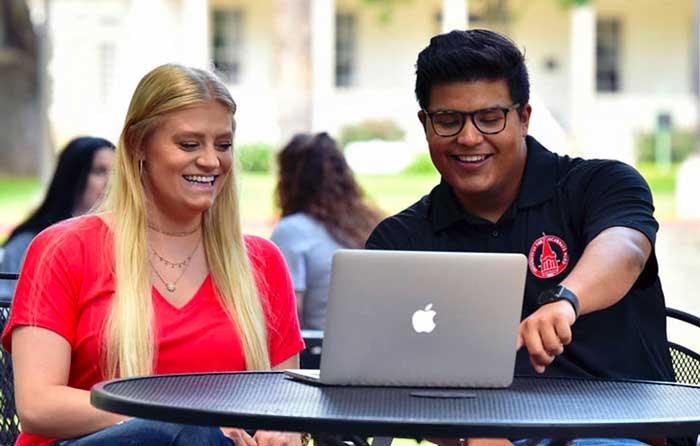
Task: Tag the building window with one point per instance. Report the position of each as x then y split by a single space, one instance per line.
608 45
345 42
228 43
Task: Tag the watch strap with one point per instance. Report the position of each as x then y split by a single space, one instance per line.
560 292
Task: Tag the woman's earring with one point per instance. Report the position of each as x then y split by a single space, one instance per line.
140 168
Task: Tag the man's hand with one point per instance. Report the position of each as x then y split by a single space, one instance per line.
545 333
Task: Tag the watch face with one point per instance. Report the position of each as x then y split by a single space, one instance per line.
552 295
560 292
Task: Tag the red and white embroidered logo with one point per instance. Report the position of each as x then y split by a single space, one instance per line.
548 256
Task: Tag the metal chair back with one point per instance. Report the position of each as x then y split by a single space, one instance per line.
686 362
310 358
9 422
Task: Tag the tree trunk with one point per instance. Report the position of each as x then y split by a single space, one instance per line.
293 66
20 117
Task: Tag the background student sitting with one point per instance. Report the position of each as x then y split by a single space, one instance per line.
323 209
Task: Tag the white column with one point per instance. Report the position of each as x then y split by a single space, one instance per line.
322 62
582 72
454 15
195 28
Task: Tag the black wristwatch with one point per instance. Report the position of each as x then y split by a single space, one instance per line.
559 292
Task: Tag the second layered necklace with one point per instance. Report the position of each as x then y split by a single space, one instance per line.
183 265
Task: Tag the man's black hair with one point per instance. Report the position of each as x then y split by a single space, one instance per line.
471 55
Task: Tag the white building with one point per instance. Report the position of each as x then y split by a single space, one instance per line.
600 73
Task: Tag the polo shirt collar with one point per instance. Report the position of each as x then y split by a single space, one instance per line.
444 207
540 176
537 186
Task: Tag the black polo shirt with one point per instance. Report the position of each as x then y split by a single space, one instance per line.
563 203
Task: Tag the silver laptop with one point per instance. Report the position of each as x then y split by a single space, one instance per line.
421 319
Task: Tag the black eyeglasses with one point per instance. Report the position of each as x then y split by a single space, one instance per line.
488 121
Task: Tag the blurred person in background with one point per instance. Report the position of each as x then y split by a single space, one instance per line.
322 209
79 182
160 280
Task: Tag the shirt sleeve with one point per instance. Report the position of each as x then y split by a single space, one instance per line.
283 332
616 195
48 286
293 246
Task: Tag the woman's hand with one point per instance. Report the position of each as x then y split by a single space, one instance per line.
274 438
262 438
239 436
470 441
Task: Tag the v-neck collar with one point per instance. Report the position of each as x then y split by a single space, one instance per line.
200 290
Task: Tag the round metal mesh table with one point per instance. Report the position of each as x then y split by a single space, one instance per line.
532 406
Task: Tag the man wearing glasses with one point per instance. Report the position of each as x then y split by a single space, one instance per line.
593 303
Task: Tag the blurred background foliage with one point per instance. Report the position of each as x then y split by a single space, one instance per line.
682 145
256 158
382 129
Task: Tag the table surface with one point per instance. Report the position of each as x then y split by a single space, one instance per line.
532 406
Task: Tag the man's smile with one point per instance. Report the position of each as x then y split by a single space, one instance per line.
471 158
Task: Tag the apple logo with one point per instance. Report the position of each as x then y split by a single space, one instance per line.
423 320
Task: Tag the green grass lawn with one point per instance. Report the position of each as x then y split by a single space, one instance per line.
17 197
663 186
391 193
16 194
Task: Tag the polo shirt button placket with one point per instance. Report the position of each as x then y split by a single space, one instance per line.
495 232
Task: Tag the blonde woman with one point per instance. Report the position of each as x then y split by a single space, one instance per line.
160 281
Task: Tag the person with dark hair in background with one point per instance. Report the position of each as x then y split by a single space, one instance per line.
78 183
322 209
593 303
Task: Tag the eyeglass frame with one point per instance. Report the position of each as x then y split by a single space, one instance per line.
472 114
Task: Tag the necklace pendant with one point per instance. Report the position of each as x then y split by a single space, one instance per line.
170 286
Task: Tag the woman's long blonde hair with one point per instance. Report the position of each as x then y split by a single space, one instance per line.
130 337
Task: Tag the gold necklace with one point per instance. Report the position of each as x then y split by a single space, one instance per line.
175 233
174 265
172 286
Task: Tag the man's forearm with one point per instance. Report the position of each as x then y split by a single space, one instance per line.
608 268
